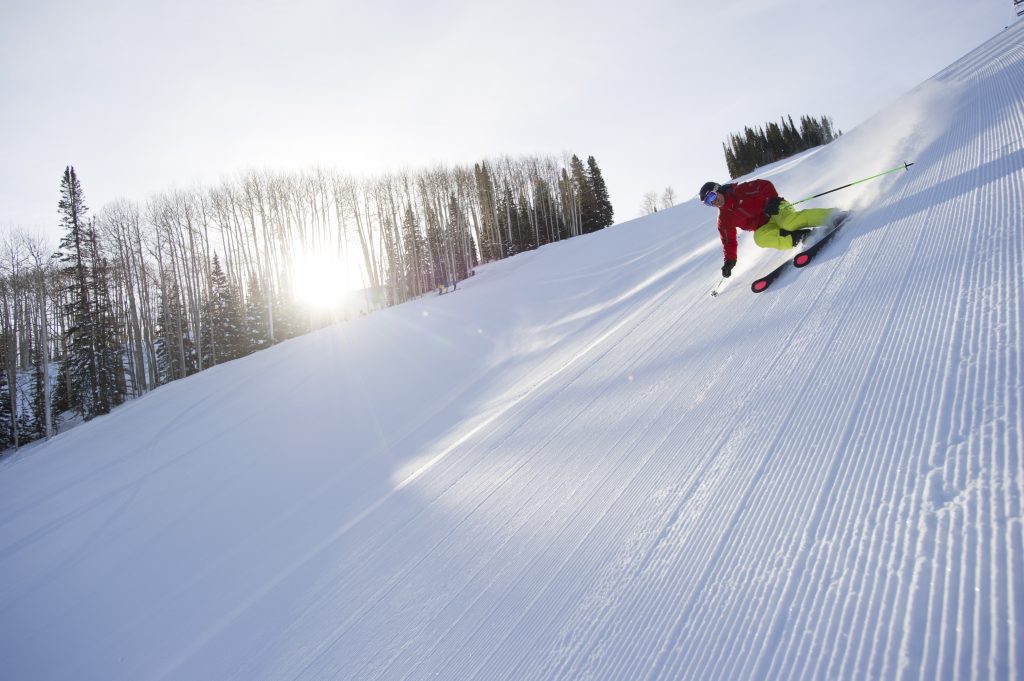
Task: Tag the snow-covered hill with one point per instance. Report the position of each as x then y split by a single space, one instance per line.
583 466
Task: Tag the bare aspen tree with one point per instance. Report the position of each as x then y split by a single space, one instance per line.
11 282
251 201
341 208
141 238
650 203
119 222
668 198
41 271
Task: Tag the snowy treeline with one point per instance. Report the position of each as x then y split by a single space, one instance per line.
140 294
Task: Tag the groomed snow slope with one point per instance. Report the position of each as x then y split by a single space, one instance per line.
581 465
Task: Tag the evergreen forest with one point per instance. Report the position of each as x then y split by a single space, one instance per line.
771 142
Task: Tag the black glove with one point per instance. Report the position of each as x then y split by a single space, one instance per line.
727 268
772 207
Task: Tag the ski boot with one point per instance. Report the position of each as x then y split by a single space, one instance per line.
799 235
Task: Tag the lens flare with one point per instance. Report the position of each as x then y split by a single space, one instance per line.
319 281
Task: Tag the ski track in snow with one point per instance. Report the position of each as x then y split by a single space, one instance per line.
634 481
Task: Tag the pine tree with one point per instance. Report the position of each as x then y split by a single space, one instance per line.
175 350
438 261
731 164
791 135
288 318
112 388
6 422
60 397
605 212
37 426
417 267
510 220
490 235
775 141
590 216
224 336
80 367
257 336
229 308
24 428
458 235
524 224
810 132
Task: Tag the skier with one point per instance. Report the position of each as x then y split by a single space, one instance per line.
756 207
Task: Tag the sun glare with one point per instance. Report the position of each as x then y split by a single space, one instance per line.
319 280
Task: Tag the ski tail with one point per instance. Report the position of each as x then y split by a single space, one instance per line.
762 284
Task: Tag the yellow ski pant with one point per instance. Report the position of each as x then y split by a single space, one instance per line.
767 235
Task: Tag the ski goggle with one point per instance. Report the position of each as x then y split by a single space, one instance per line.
709 200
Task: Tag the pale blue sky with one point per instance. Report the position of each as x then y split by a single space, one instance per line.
142 97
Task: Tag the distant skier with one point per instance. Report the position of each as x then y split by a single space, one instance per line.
756 207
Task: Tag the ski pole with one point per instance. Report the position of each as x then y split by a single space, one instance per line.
905 166
714 291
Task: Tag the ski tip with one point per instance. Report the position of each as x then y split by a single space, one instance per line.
759 285
801 260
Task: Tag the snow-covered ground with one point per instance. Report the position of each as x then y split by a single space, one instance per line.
583 466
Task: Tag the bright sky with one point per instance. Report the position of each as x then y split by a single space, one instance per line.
144 97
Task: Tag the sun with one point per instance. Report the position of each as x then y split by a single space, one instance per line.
319 281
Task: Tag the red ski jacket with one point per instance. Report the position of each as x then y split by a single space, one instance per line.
743 209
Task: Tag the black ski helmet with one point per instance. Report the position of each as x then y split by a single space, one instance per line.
708 187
